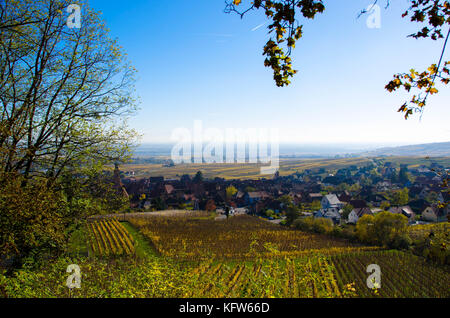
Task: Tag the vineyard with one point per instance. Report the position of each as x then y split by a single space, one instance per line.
240 237
109 238
305 277
243 257
402 274
418 232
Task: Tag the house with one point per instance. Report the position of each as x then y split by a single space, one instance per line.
331 201
345 197
404 210
252 197
314 196
357 213
329 213
435 214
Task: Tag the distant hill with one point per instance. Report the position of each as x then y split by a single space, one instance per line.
440 149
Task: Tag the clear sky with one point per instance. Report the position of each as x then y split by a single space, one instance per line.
197 63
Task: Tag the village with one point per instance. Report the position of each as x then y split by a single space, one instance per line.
343 196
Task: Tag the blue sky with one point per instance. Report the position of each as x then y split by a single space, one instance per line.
195 62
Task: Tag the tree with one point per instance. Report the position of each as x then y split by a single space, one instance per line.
285 30
159 204
346 211
316 205
385 229
286 200
230 192
270 213
400 197
292 213
385 205
65 93
31 218
365 228
403 176
198 177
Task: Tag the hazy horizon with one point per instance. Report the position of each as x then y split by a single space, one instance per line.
286 149
208 66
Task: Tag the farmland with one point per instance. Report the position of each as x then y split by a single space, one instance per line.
109 238
403 275
237 238
192 255
252 171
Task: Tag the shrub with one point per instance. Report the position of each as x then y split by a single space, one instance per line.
31 218
316 225
384 229
322 225
401 242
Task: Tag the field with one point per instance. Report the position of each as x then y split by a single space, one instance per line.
248 257
240 237
252 171
193 255
422 231
402 274
109 238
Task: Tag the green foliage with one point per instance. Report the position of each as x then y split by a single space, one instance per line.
32 218
198 177
435 15
73 91
284 28
99 279
315 225
66 94
385 205
346 211
159 204
316 205
250 189
230 192
432 241
292 213
384 229
403 175
400 197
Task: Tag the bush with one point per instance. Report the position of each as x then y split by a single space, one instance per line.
316 225
384 229
322 225
31 218
270 213
401 242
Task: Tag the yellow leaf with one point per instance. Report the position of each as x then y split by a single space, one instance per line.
433 91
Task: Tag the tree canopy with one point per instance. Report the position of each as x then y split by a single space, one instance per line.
286 28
